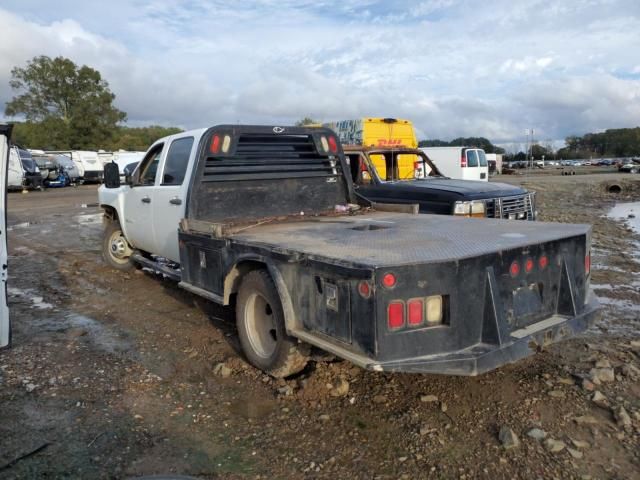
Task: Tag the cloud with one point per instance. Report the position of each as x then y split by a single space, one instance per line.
452 68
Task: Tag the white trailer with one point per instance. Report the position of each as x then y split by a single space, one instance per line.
15 177
90 167
462 163
5 324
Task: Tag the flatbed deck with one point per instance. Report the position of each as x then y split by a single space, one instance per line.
381 239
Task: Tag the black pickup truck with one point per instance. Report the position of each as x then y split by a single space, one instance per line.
408 176
271 225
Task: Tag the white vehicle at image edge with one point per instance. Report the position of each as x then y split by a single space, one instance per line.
149 210
5 325
461 163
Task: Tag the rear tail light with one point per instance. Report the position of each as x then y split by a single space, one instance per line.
364 289
420 312
587 263
395 315
514 269
434 310
528 265
389 280
463 160
333 144
415 312
215 144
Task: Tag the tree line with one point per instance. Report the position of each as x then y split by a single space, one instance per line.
70 107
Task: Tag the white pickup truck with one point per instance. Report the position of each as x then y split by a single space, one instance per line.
267 218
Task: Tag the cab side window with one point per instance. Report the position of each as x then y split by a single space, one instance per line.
177 161
149 166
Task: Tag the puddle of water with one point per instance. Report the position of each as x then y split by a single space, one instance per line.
618 303
36 300
628 212
19 225
89 218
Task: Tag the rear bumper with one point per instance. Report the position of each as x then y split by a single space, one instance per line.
483 357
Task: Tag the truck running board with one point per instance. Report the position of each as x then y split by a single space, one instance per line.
157 267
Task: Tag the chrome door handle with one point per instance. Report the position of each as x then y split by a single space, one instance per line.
145 200
175 201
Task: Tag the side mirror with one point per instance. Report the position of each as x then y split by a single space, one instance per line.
111 175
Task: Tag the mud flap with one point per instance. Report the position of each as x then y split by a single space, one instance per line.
5 325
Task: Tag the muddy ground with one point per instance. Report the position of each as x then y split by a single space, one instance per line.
116 375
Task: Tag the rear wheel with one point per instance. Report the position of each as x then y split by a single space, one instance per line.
260 321
115 248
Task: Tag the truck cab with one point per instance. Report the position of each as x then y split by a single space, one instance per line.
152 203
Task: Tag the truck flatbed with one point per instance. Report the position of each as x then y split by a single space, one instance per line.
381 239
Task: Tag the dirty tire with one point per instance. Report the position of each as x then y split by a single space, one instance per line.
113 235
260 322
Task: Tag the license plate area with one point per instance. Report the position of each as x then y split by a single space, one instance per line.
527 304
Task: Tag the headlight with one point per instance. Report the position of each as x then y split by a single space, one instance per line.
477 209
474 208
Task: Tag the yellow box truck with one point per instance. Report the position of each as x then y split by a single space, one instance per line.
381 133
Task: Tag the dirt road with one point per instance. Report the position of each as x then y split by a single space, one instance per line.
118 375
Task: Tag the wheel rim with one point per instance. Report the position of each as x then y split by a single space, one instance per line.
119 249
261 326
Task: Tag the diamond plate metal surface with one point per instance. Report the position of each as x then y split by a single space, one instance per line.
387 239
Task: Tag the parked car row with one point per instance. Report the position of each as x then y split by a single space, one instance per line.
37 169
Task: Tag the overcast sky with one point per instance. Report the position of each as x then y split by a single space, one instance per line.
488 68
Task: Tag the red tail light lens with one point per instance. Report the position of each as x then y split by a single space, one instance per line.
587 263
395 315
215 144
364 289
463 160
514 269
333 144
543 262
528 265
415 315
389 280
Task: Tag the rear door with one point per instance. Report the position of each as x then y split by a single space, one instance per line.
5 324
170 196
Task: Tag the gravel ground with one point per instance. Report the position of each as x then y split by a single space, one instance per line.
117 375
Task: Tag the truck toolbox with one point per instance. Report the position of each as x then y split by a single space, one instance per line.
271 225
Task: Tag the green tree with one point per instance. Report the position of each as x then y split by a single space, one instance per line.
306 121
65 106
478 142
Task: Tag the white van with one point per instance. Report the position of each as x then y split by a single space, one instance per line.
462 163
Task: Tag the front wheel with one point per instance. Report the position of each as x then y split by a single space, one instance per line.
260 321
115 248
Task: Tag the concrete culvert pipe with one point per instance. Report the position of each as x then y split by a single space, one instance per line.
614 188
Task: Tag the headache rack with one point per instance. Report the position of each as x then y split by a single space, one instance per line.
253 172
264 157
